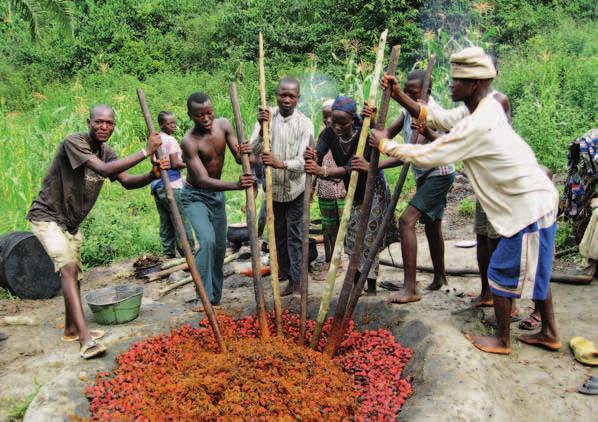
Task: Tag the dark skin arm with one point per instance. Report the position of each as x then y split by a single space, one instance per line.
199 177
114 168
141 180
399 96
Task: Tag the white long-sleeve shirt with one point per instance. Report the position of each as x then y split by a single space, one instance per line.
512 188
289 137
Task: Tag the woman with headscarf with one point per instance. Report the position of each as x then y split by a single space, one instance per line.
341 138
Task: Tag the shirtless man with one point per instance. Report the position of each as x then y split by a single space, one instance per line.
204 148
486 237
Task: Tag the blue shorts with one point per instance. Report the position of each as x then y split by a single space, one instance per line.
524 258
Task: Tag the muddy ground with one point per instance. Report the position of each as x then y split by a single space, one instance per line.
452 380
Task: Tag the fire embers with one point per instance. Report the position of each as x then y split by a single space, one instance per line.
179 376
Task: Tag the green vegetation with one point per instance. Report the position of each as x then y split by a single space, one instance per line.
171 48
467 208
17 409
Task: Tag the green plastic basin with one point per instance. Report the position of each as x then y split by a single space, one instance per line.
115 305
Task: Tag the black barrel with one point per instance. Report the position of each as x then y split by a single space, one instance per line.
25 268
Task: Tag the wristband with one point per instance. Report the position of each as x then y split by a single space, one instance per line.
325 171
144 152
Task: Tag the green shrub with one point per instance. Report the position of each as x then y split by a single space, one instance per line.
467 207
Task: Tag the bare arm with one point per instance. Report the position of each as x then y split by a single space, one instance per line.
113 168
134 182
176 161
198 175
390 163
395 128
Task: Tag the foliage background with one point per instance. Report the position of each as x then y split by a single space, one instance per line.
548 67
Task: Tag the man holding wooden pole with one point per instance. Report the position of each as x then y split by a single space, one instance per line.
290 132
204 148
516 195
68 193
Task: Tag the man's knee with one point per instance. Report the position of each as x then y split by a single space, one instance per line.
407 221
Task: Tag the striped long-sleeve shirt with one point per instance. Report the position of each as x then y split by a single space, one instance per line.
289 136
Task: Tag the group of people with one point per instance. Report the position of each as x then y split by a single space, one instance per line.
516 199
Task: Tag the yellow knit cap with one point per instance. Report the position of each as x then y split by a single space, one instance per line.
472 63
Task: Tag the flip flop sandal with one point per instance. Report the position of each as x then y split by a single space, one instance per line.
466 244
530 322
95 334
92 349
389 286
584 351
590 387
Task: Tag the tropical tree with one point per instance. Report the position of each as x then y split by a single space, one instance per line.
39 14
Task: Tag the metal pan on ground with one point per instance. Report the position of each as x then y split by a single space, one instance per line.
116 304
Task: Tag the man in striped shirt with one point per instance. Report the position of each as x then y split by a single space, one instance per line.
290 132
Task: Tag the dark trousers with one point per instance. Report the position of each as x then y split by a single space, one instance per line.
288 218
168 235
206 211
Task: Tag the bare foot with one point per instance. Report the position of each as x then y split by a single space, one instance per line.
489 344
403 297
435 285
482 301
542 340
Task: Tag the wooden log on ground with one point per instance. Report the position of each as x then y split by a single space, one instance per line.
180 229
428 269
388 214
256 265
269 202
342 231
567 251
164 291
160 274
336 331
172 263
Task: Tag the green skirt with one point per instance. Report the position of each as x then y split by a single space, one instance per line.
331 211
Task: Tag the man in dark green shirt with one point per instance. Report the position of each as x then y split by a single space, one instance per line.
69 191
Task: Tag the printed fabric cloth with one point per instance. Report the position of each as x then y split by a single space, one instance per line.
583 164
330 188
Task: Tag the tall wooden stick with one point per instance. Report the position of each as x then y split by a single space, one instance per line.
342 230
388 214
250 206
269 202
336 331
303 286
180 230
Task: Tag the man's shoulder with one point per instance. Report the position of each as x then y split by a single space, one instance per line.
77 138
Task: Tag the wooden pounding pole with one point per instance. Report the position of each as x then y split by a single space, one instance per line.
250 206
269 202
388 214
336 331
303 285
342 230
180 230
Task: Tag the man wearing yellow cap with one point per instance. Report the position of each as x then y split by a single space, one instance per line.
516 195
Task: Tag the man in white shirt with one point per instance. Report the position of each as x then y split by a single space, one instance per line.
290 132
518 198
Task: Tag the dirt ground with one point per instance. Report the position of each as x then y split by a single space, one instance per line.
452 380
